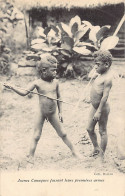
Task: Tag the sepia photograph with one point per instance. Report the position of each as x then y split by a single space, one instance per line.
62 92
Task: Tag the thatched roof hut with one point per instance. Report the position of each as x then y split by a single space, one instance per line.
68 4
99 12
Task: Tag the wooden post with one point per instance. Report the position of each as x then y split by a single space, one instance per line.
26 28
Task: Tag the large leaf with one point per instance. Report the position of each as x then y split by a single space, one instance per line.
64 65
102 32
93 32
66 53
76 19
46 30
55 53
75 24
27 52
109 43
49 39
80 34
68 43
35 57
41 32
82 50
37 41
67 29
51 33
39 46
80 44
74 28
55 29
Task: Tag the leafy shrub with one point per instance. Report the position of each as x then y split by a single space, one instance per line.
9 17
71 44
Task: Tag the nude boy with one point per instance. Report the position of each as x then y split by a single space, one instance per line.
48 86
99 106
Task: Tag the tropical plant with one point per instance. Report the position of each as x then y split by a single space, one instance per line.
9 14
71 43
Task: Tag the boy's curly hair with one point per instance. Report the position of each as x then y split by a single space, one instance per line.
46 61
104 55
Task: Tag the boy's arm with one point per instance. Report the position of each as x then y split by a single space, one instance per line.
59 104
20 91
107 88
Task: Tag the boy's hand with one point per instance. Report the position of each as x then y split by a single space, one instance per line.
60 117
8 86
97 116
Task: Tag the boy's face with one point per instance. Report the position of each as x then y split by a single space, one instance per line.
49 73
100 66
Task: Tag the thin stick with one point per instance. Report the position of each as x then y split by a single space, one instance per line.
85 89
42 95
27 37
119 26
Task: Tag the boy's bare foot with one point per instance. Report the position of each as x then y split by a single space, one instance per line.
101 153
30 159
96 152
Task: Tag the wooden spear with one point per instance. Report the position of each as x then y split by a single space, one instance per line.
4 84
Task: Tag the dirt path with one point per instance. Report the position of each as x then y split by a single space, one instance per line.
17 124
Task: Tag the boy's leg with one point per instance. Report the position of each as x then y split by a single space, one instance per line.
91 132
57 126
103 127
37 133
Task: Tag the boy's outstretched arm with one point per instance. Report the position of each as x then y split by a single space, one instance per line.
21 91
107 88
59 104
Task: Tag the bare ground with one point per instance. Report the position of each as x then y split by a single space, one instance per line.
17 123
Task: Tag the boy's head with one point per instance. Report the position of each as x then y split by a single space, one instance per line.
103 60
47 67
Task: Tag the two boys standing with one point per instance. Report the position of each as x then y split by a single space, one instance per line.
47 85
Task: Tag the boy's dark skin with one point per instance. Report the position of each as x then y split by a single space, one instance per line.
48 86
100 108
